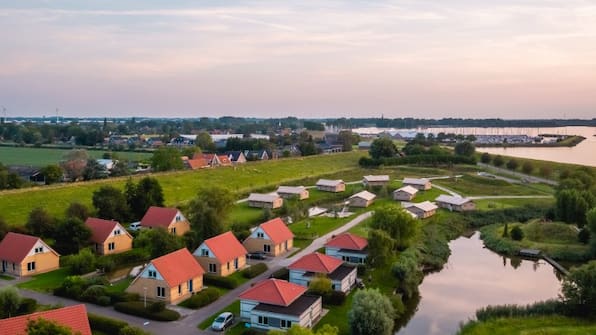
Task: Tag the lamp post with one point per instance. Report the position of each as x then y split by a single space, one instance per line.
145 297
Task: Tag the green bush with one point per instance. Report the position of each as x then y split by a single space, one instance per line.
27 306
335 298
72 287
137 308
254 270
106 264
223 282
517 233
361 269
136 255
201 299
123 296
282 273
104 324
583 236
548 307
157 307
83 262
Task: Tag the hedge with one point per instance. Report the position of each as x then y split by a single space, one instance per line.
106 325
137 308
254 270
282 273
223 282
201 299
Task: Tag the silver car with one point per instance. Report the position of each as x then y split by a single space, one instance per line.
223 321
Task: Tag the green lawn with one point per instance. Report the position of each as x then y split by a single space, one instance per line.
44 156
338 316
5 277
233 307
120 285
243 214
46 282
179 187
472 185
546 325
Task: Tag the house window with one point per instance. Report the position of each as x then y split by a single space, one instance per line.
212 267
117 232
344 258
236 263
228 264
179 289
333 286
286 324
31 266
267 248
14 267
161 292
152 274
38 250
173 230
111 246
204 252
189 286
263 320
178 218
260 235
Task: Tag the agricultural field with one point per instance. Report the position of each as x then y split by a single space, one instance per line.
44 156
179 187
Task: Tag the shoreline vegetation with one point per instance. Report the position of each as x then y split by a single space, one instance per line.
570 141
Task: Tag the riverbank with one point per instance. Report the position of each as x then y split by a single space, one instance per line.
529 325
569 141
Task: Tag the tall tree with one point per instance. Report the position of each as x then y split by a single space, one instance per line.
345 138
94 170
110 204
579 289
465 148
166 159
52 173
397 223
158 242
74 163
382 147
380 247
140 197
10 300
77 210
205 142
208 212
71 235
40 222
372 313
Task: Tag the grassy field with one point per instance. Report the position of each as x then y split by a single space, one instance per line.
46 282
472 185
489 204
551 325
338 316
44 156
179 187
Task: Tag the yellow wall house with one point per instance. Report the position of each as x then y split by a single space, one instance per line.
171 278
272 237
26 255
170 219
108 236
221 255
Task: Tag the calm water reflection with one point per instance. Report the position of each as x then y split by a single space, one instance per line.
475 277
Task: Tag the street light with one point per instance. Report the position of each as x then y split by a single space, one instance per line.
145 296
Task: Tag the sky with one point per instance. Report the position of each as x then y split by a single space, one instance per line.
312 59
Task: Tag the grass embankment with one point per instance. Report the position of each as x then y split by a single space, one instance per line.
179 187
472 185
558 240
551 325
44 156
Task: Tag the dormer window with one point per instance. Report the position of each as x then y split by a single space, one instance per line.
117 232
204 252
260 235
152 274
38 250
178 218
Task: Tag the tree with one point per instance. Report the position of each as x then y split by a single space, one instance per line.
77 210
4 229
52 173
485 158
583 236
345 138
40 223
320 285
382 147
527 167
71 235
465 148
140 197
158 242
400 226
512 164
166 159
83 262
205 142
94 170
10 300
208 212
506 230
579 289
517 233
111 204
74 163
498 161
372 313
380 247
591 220
47 327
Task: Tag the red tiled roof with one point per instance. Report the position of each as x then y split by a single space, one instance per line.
348 241
274 291
73 317
15 247
197 163
225 247
178 267
277 231
224 160
100 228
317 263
159 217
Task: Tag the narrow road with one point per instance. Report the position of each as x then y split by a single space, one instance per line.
531 179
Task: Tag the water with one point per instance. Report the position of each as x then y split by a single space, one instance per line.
583 153
475 277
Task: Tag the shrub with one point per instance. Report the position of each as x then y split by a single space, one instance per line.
93 293
133 256
106 264
548 307
27 306
72 287
203 298
83 262
254 270
104 324
157 307
223 282
527 167
512 164
335 298
583 236
361 269
498 161
103 300
485 158
282 273
123 296
517 233
137 308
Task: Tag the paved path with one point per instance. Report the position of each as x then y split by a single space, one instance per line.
531 179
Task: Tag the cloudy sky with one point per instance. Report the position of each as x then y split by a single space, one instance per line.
442 58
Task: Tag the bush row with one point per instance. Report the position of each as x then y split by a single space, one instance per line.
254 270
282 273
93 290
137 308
223 282
548 307
112 326
201 299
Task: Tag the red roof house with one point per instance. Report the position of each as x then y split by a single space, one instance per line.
172 277
73 317
281 300
195 164
302 271
348 247
25 255
108 236
168 218
222 254
272 237
224 160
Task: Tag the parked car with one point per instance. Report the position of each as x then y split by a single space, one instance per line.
135 226
256 255
223 321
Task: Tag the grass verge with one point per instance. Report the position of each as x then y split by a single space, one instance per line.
551 325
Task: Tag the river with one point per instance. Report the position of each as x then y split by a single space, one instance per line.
475 277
